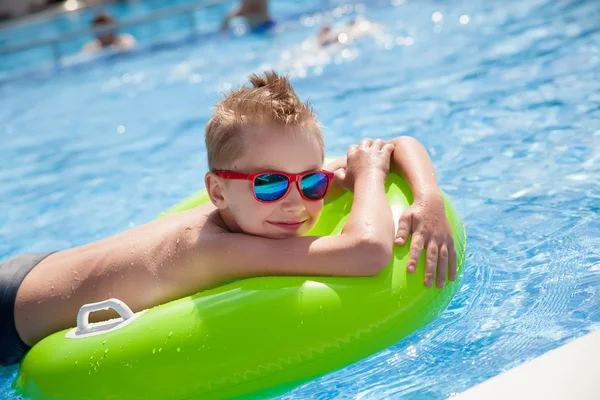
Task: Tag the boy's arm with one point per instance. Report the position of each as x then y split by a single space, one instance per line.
426 218
237 256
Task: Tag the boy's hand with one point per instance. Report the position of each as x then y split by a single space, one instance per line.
427 222
370 156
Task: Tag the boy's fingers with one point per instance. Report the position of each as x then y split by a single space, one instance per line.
404 226
431 262
378 143
366 142
452 263
388 148
416 247
442 267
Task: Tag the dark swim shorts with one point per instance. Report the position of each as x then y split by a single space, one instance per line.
264 27
12 273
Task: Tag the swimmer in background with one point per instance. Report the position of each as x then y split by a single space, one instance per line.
255 13
359 26
108 38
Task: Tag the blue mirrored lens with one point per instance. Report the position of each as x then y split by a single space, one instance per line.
270 187
314 186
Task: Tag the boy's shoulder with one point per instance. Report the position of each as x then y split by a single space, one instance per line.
193 229
204 219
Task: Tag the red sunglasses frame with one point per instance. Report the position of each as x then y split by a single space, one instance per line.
291 179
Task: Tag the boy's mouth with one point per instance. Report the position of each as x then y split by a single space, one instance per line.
288 225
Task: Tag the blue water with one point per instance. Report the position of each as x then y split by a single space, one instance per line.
508 106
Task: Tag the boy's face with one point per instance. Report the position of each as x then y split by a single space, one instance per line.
274 148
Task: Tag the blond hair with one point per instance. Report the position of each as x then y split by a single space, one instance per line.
270 101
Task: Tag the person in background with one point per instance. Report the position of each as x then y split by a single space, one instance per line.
255 13
108 38
359 26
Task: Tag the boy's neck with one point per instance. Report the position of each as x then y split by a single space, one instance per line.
228 222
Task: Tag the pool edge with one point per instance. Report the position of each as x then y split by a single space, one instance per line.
570 371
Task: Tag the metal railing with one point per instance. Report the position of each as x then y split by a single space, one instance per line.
187 9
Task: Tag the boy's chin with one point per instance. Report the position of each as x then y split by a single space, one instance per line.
275 233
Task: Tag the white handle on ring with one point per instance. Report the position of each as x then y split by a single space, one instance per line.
83 324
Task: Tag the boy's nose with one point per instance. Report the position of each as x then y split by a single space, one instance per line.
293 201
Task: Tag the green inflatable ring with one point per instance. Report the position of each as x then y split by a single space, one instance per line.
254 338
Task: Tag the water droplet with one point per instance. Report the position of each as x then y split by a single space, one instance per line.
104 342
154 350
178 349
160 349
170 334
105 351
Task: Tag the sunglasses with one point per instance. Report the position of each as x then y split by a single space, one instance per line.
273 186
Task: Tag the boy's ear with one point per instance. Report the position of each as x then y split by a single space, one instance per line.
215 190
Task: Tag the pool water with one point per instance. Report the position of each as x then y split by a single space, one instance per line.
169 30
504 95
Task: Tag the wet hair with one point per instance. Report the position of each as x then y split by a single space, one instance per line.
270 100
103 19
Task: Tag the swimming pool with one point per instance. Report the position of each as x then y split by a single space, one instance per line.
63 32
507 103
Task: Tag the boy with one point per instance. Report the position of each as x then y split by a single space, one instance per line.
255 13
266 184
108 38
